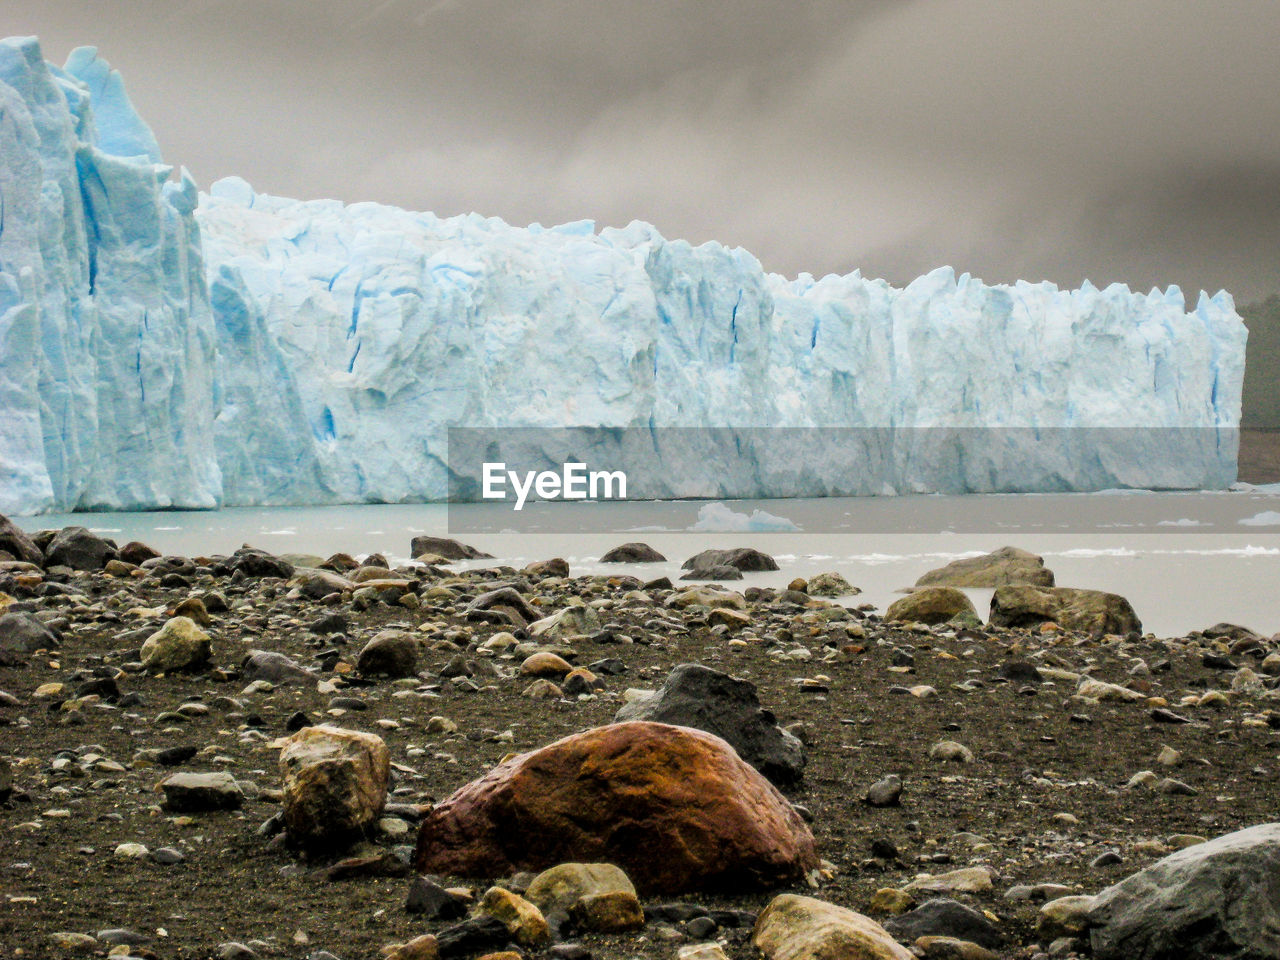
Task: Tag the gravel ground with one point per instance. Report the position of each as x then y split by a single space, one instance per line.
1043 797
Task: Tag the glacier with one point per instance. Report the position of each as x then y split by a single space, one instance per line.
163 348
107 341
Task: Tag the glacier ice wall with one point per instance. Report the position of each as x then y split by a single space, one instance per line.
384 326
106 335
164 348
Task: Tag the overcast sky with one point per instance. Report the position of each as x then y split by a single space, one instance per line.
1119 140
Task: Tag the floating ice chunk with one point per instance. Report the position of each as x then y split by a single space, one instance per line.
719 518
1267 518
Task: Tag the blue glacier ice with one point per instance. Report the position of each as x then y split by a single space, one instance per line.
106 336
251 349
393 324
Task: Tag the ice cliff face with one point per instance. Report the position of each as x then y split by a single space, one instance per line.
327 348
383 326
106 336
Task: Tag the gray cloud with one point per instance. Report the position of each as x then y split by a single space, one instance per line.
1060 139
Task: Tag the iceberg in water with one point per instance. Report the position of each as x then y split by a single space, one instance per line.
721 518
260 350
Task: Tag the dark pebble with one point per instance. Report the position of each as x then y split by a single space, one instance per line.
673 912
700 928
883 849
172 756
118 936
432 901
471 937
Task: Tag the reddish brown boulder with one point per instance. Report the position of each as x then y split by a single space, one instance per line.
675 808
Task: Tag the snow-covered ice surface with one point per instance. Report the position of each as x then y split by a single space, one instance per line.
331 346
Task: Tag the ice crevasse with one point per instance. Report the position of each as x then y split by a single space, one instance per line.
251 349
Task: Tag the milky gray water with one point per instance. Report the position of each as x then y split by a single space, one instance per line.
1184 560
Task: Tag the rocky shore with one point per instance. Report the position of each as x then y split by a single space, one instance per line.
285 756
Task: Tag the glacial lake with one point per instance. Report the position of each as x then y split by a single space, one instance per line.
1184 560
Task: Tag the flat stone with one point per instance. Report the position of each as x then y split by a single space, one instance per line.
199 792
945 918
964 880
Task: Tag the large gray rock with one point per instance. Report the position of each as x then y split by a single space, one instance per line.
633 553
391 653
507 597
21 634
77 548
17 544
745 559
1213 900
198 792
1088 611
1008 565
252 562
444 547
705 699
